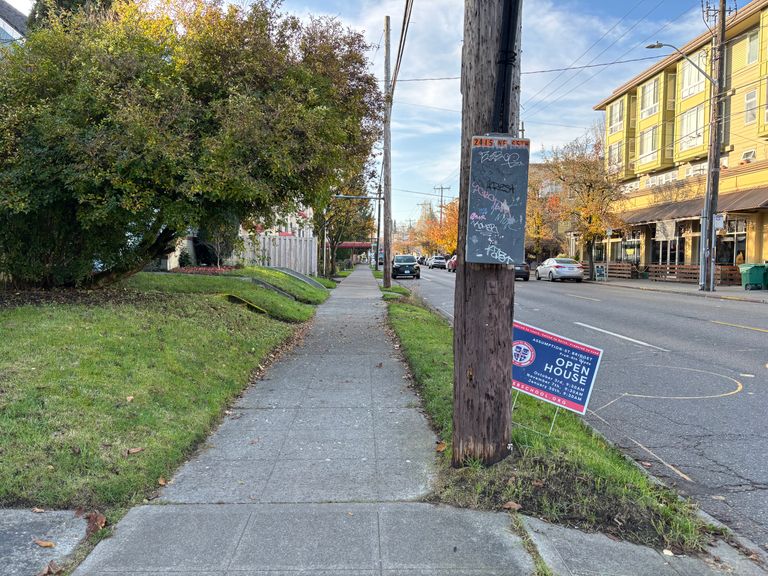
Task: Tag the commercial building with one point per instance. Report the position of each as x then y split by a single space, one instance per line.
656 142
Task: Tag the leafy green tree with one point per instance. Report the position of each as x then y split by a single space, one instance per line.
122 130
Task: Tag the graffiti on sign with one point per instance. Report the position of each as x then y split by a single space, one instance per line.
498 191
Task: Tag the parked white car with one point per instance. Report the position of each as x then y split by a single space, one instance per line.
560 269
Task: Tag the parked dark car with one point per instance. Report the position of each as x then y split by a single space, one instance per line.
523 271
405 265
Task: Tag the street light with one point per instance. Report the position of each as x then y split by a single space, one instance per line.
707 243
661 45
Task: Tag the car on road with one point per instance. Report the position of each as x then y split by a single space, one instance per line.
452 264
437 262
560 269
523 271
405 265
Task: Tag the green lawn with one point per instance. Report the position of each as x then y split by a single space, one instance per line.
343 273
300 290
98 402
572 477
276 305
330 284
378 274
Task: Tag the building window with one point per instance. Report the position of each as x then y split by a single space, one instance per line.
616 117
649 98
753 47
661 179
750 107
732 245
698 169
691 128
693 80
615 156
649 145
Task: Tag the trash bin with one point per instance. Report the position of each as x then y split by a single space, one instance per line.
752 276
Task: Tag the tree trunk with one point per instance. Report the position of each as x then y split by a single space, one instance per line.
484 295
590 244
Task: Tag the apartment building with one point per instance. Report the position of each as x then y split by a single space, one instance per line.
657 136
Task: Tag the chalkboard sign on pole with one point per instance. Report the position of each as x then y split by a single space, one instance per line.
498 191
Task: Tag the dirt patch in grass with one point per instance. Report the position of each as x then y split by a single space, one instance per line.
14 298
573 477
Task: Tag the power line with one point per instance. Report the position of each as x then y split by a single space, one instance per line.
584 53
568 80
588 78
401 47
437 78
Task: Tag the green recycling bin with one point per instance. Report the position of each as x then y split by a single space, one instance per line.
752 276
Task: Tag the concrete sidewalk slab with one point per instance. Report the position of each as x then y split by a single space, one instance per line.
20 556
316 539
570 552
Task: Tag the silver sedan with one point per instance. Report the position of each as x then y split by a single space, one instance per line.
560 269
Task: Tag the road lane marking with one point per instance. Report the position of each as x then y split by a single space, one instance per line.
739 326
739 386
611 402
640 342
649 451
583 297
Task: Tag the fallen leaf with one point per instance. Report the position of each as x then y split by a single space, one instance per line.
45 543
50 466
514 506
134 451
440 447
79 512
380 364
537 483
717 497
646 464
161 481
51 569
667 552
614 538
37 510
129 398
96 521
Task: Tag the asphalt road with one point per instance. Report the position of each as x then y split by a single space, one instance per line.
683 383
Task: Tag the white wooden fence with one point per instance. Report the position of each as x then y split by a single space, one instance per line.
296 253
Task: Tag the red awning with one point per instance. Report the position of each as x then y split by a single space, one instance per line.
354 245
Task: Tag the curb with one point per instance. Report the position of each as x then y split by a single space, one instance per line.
696 294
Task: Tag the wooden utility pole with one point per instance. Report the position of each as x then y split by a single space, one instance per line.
378 229
484 295
387 161
441 188
708 236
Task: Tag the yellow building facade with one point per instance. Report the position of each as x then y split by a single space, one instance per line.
656 142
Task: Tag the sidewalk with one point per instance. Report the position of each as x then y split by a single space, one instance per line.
721 292
319 470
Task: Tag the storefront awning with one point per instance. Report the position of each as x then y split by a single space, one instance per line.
733 202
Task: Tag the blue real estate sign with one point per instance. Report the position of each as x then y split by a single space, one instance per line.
498 190
553 368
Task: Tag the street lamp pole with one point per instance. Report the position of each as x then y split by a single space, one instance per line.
707 242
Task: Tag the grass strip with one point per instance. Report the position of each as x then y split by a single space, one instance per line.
378 274
276 305
573 477
98 403
299 289
343 273
396 289
330 284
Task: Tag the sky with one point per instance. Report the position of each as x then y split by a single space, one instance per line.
556 106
